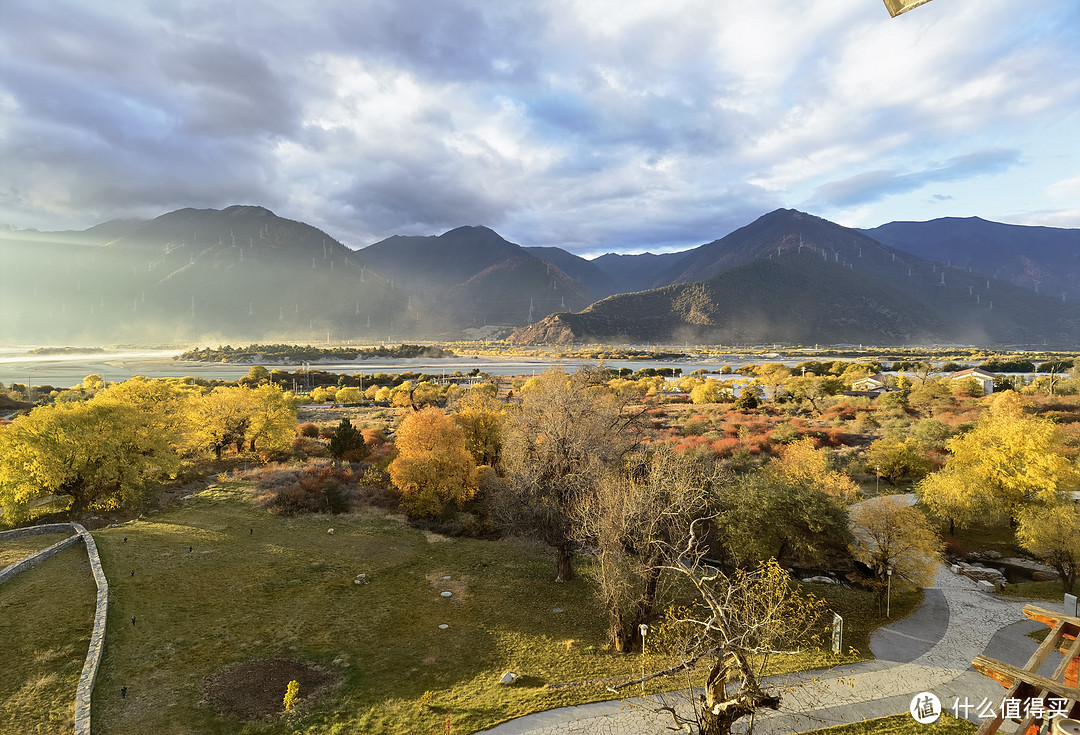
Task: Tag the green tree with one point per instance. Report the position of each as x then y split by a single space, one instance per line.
432 467
347 443
814 389
930 396
748 398
258 374
763 517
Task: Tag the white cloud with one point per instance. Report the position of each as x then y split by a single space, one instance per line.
595 125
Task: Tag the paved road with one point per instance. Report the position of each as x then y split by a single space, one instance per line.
931 650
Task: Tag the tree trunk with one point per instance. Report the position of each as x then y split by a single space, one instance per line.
644 613
620 641
564 563
717 718
718 711
217 450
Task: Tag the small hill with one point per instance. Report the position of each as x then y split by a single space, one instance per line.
1046 258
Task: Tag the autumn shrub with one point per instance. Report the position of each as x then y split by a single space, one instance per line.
785 434
694 427
326 432
726 447
307 429
373 436
317 487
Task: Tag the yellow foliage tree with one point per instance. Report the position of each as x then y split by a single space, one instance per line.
801 463
349 394
895 459
890 534
480 416
102 453
219 418
273 418
772 375
432 467
1053 534
1007 461
711 391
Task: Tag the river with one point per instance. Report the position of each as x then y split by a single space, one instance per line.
62 371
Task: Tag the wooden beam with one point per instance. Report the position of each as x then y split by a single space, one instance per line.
1049 644
1050 617
896 7
1008 675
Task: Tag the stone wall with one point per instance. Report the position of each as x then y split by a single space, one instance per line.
41 530
32 561
85 691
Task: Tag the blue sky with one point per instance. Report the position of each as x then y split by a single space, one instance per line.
592 125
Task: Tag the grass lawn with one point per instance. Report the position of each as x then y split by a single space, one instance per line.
901 725
860 614
258 586
1051 591
13 551
980 537
46 614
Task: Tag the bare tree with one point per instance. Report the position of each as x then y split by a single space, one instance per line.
569 431
633 521
738 623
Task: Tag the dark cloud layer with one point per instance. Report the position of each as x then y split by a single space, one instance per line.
592 126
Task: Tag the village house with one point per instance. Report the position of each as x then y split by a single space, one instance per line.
985 378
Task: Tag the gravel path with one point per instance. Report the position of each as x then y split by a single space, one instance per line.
929 651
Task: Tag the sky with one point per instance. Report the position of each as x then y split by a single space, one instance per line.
592 125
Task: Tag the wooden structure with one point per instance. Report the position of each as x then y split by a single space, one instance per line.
896 7
1038 698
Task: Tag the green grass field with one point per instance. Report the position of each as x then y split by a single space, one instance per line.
46 614
13 551
256 585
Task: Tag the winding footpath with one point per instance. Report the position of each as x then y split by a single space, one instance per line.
930 651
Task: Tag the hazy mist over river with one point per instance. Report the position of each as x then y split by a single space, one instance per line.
65 370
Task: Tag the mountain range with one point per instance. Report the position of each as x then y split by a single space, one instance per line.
243 273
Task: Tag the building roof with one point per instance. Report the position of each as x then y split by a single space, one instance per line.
975 372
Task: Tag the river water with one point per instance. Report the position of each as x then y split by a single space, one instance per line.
62 371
